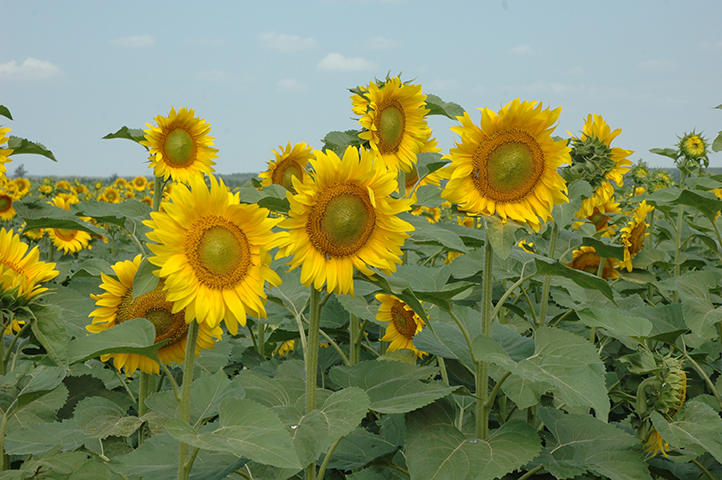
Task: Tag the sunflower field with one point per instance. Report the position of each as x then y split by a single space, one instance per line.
528 305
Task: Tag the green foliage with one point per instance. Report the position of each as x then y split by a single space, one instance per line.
135 134
23 145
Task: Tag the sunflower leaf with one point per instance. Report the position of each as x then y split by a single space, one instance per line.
605 250
114 213
546 266
696 424
145 280
136 336
437 106
501 234
717 144
24 146
666 152
49 329
100 418
616 322
135 134
38 438
38 214
5 112
433 234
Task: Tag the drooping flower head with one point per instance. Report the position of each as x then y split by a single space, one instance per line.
600 219
508 165
587 259
289 163
403 323
180 147
22 269
212 253
343 217
392 115
116 305
671 393
634 233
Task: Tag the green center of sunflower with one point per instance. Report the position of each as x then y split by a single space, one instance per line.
285 179
179 147
154 307
64 234
218 252
5 203
341 221
598 219
403 321
508 166
390 125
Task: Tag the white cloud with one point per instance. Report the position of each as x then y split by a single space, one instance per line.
656 64
523 50
335 62
291 85
137 41
578 71
30 69
442 84
285 43
711 45
214 76
381 43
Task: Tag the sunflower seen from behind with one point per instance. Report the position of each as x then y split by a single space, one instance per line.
393 118
508 164
342 217
634 233
180 146
211 251
289 162
116 305
403 323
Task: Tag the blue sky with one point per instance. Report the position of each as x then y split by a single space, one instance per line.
267 72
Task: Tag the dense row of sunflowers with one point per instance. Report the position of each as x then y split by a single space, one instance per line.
210 259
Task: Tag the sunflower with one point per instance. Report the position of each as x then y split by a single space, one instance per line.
587 259
600 219
45 190
508 166
343 217
180 147
67 240
403 323
110 195
7 211
392 115
120 183
22 187
212 253
139 183
116 305
634 233
693 146
21 269
4 152
286 347
289 163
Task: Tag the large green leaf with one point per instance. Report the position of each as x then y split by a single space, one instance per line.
291 293
568 362
119 214
585 444
39 214
247 429
5 112
23 145
437 106
135 134
605 250
145 280
157 459
39 382
49 329
37 438
546 266
100 418
134 336
433 233
696 424
615 321
667 321
362 447
393 387
436 450
501 234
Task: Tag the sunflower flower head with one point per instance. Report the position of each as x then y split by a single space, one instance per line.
21 271
211 251
7 212
342 217
4 152
666 394
640 173
393 120
587 259
289 163
635 232
693 146
180 147
116 305
508 165
403 323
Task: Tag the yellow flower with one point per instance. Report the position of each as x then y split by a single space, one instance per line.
63 185
693 146
599 218
596 127
45 190
587 259
67 240
139 183
116 306
403 323
110 195
508 166
4 152
22 269
392 115
656 444
343 217
289 163
120 183
180 147
212 253
634 233
7 211
286 347
22 187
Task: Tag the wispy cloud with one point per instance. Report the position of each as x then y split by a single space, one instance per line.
137 41
30 69
381 43
656 64
523 50
291 85
335 62
214 76
284 42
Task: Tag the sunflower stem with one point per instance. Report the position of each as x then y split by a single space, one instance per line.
678 248
482 368
184 409
314 325
143 390
354 353
541 320
261 343
157 193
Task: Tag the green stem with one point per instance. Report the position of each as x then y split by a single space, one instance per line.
261 343
442 367
143 390
312 363
184 408
327 458
548 278
482 368
158 193
500 304
9 351
3 457
704 470
678 248
173 383
531 472
354 353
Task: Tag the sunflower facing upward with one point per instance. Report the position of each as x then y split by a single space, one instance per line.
212 253
508 165
180 147
289 163
342 217
116 306
392 115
